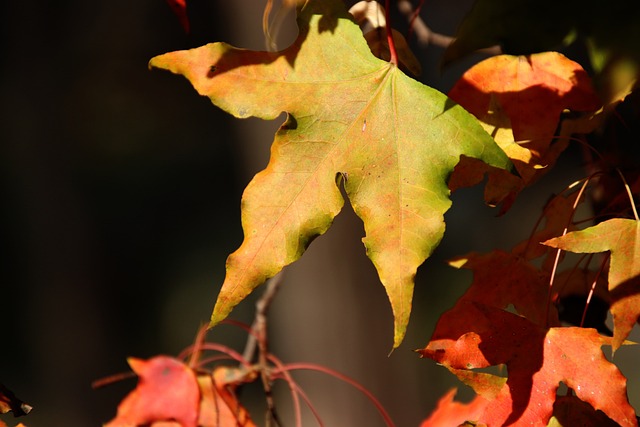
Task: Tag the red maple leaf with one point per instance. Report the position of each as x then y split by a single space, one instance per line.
474 336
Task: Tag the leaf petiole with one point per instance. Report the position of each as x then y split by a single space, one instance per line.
392 46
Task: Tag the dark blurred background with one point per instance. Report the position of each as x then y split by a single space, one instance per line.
120 194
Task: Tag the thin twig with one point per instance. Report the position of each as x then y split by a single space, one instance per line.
196 349
629 194
559 251
319 368
262 306
293 388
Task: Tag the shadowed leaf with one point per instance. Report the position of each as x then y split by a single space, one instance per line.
519 100
501 279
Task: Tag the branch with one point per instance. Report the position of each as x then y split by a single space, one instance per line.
258 340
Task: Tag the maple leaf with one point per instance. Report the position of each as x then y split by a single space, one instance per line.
167 391
353 118
622 238
519 100
475 336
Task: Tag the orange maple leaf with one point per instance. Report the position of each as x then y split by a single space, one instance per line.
520 100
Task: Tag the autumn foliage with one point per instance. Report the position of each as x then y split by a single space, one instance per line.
530 335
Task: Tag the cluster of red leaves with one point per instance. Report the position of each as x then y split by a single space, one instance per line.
506 318
538 354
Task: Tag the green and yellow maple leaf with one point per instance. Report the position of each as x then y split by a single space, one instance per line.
352 118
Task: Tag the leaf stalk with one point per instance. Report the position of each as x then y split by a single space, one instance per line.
392 46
